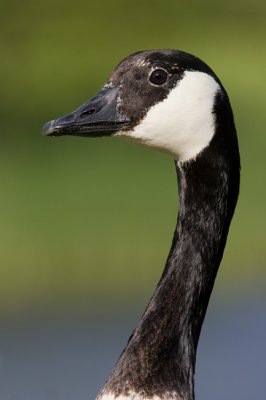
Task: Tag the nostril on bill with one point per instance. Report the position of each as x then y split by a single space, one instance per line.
91 111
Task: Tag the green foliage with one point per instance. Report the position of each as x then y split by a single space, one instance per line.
85 219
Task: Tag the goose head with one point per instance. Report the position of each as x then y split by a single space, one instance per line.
164 99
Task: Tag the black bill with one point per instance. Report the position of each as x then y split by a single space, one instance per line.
97 117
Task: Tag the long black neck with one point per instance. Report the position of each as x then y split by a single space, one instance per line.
161 354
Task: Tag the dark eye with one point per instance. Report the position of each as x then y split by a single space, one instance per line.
158 77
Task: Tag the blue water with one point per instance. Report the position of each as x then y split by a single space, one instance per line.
69 358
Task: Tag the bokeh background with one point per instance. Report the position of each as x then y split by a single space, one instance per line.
86 225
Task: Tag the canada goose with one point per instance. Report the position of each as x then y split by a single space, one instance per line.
171 101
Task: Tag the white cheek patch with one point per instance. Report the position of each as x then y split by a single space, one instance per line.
183 124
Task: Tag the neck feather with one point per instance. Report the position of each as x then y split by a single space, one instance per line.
159 360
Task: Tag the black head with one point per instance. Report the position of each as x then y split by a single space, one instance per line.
161 98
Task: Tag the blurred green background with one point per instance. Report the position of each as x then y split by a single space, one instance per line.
87 222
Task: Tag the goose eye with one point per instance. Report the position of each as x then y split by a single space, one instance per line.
158 77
